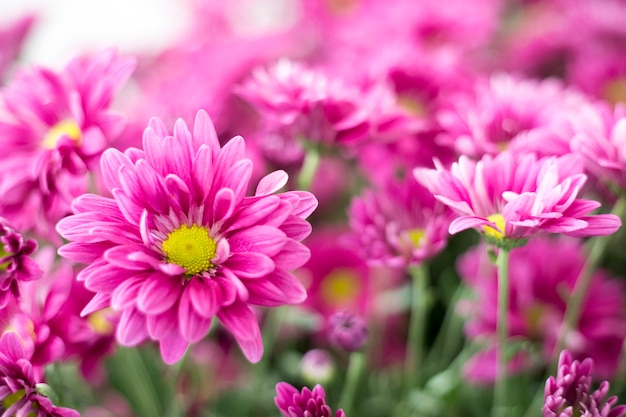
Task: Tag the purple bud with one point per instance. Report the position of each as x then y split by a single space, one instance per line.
347 331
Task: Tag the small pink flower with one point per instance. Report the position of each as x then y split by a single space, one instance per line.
305 403
53 128
514 197
180 242
20 387
398 225
569 394
15 262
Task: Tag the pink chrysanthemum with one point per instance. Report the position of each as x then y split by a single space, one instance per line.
542 274
180 242
513 197
53 128
600 139
569 394
308 403
500 109
398 225
300 103
19 394
15 262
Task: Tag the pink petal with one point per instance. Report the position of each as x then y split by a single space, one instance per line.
206 297
239 319
98 302
223 204
250 264
193 326
204 131
292 255
271 183
598 225
173 347
131 329
466 222
158 293
265 239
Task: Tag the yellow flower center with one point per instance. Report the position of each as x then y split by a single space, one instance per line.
340 286
11 399
615 91
100 323
342 7
492 232
191 248
416 236
67 127
3 253
412 105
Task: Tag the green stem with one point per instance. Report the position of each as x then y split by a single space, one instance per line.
417 325
309 167
355 367
500 390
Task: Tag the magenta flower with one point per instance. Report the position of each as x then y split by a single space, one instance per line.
513 197
347 331
308 403
15 262
539 274
180 242
54 127
569 394
600 139
399 224
19 385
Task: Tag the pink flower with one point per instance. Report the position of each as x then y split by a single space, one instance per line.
569 394
54 127
540 273
305 403
600 139
19 385
15 262
12 37
501 108
398 225
513 197
180 242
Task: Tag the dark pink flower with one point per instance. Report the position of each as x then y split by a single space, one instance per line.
53 128
399 224
180 242
19 385
514 197
569 394
15 262
347 331
540 273
305 403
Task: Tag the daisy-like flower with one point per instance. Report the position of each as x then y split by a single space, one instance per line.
15 262
511 198
499 109
305 403
399 224
20 388
53 128
569 394
600 139
180 242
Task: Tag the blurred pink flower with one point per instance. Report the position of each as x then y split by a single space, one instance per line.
514 197
600 140
305 403
499 109
19 385
542 274
180 242
398 225
12 37
569 394
53 128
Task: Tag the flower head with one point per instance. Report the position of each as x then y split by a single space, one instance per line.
15 262
347 331
569 394
20 393
54 127
514 197
180 242
307 403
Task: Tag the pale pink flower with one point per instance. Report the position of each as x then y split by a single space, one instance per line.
513 197
180 242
